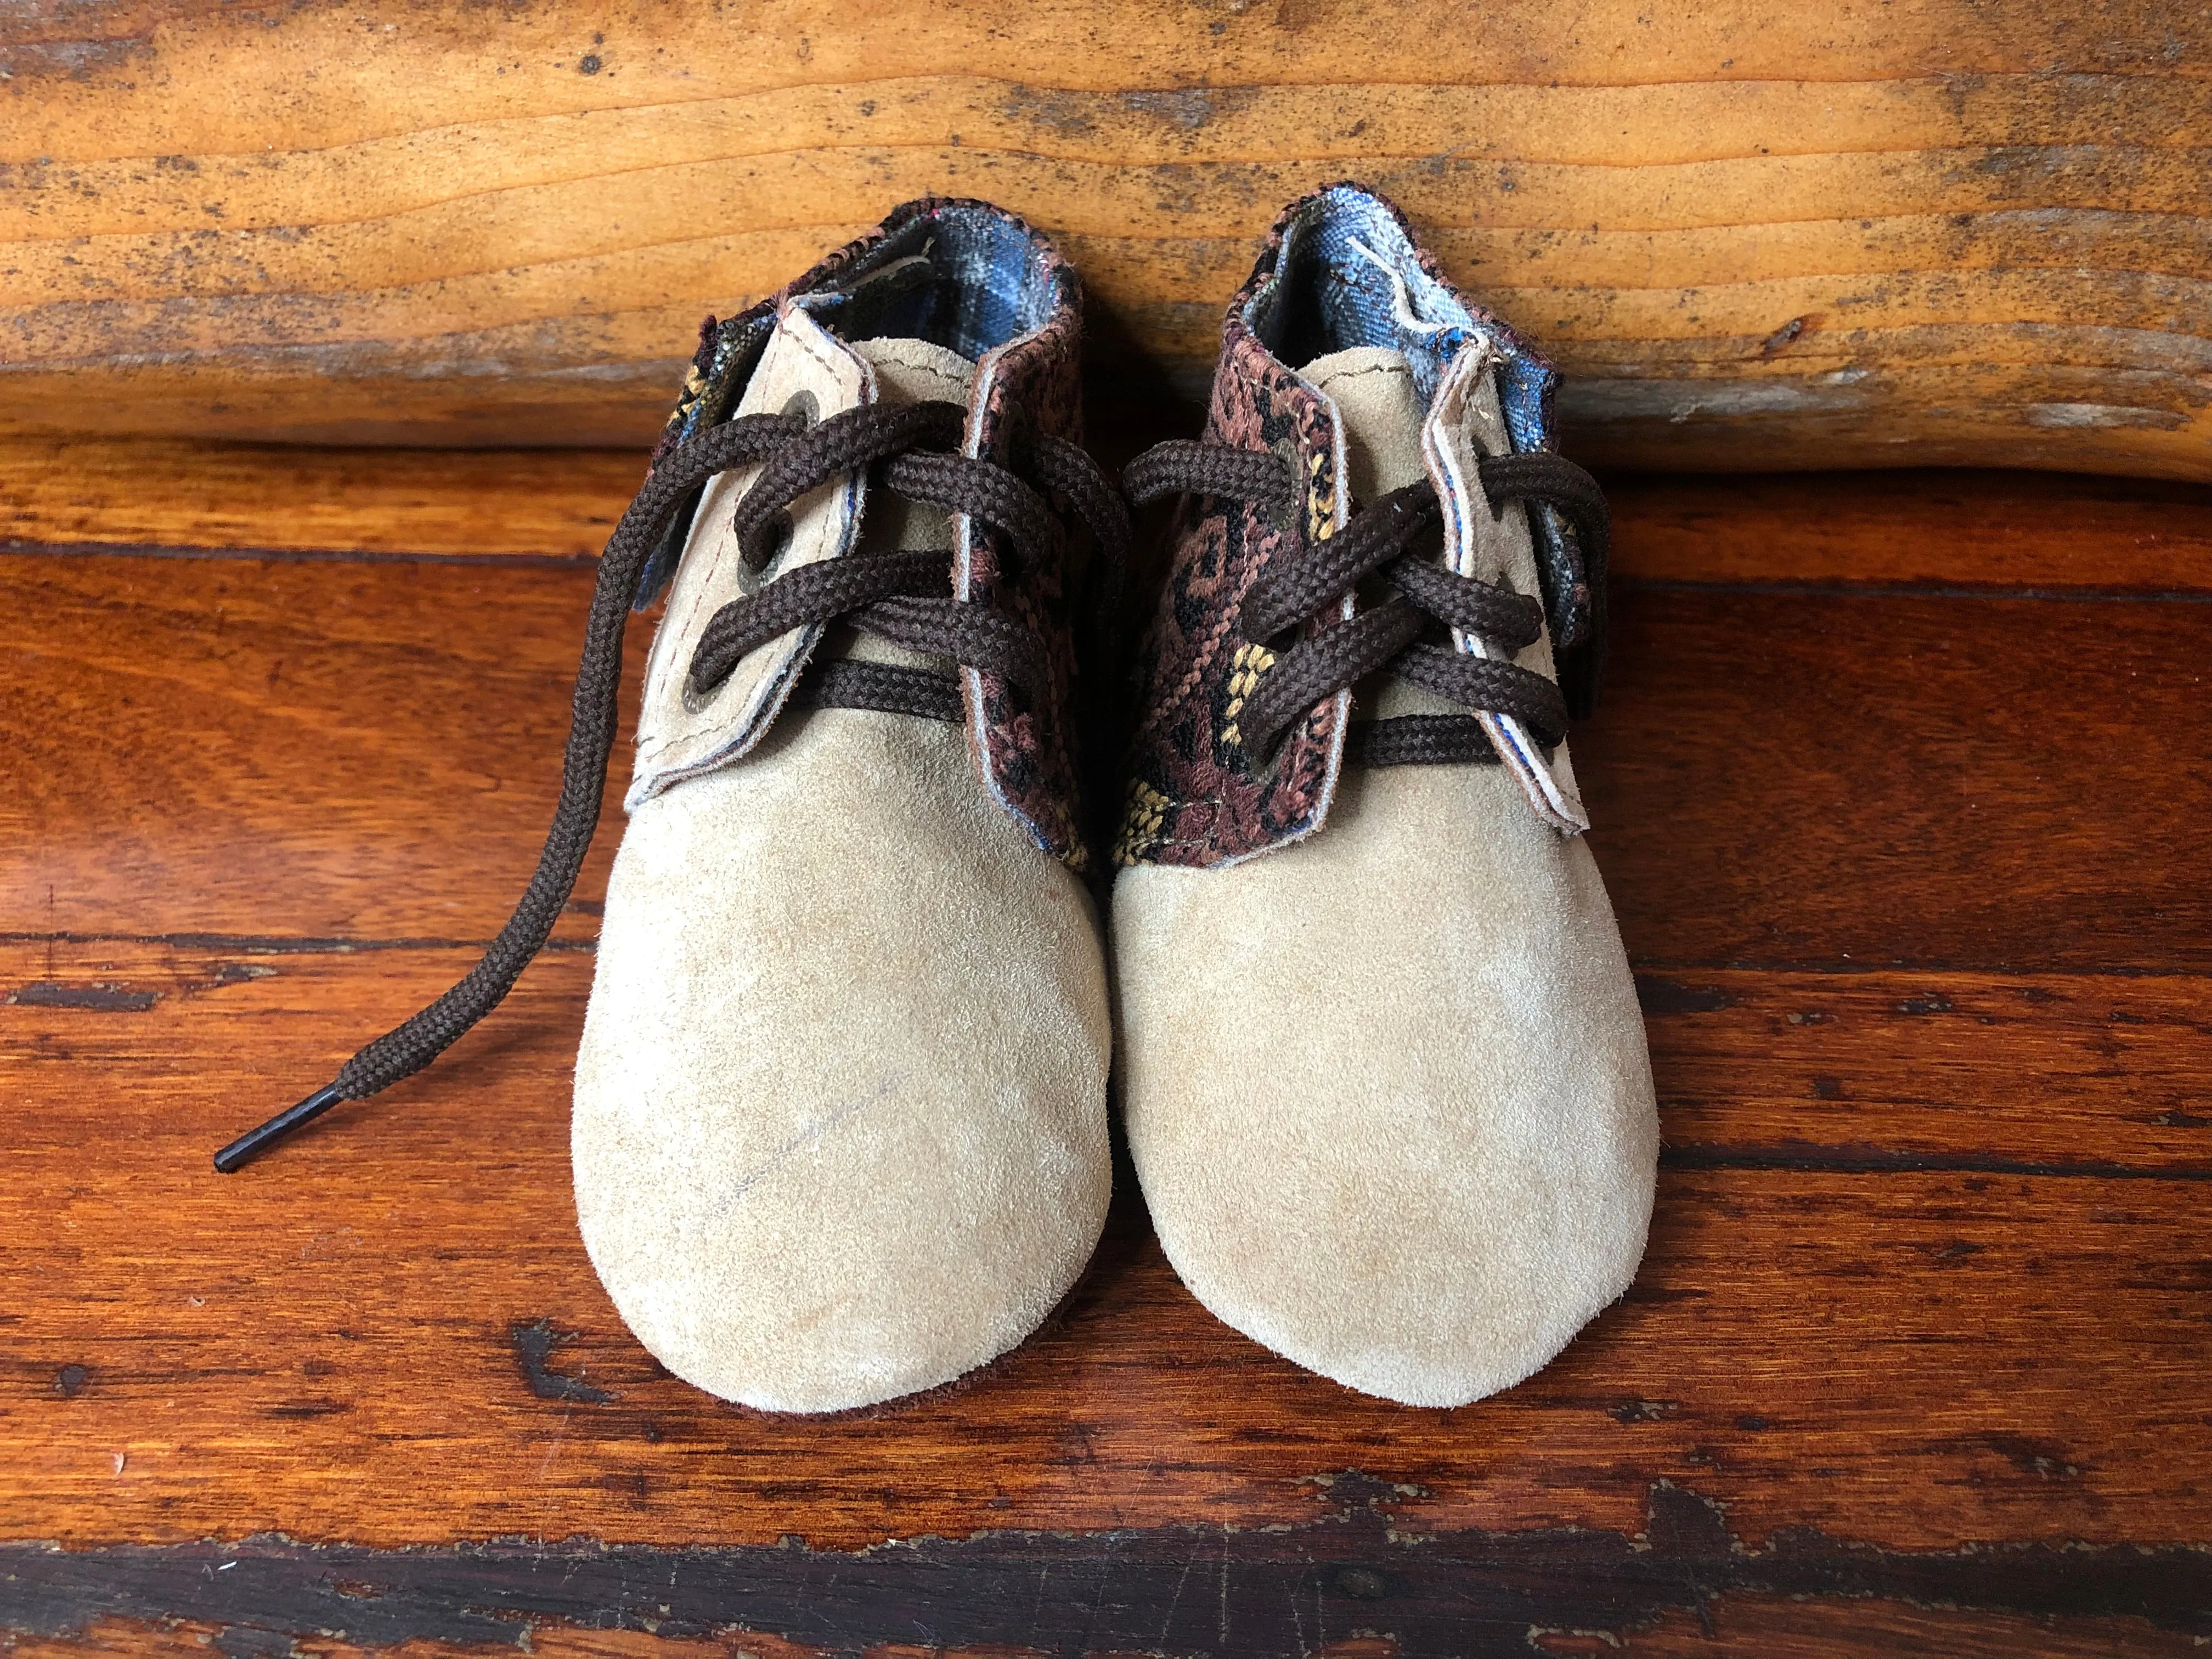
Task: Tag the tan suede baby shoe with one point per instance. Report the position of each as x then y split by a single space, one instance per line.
839 1122
1383 1071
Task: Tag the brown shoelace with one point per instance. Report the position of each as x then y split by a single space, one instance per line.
1394 537
901 597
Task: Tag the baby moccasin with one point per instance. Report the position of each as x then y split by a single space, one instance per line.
1383 1071
840 1118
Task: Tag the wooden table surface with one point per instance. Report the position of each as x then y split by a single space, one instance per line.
1903 794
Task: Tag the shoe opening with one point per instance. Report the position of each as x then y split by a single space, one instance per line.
959 274
1347 275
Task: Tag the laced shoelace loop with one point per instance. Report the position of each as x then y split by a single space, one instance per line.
1393 538
812 454
903 597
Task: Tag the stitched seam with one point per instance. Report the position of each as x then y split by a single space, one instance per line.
1344 374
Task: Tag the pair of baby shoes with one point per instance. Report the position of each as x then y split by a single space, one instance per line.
841 1108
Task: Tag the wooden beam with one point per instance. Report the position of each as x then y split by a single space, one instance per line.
1800 236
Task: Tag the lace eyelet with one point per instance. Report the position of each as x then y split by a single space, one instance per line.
694 697
779 531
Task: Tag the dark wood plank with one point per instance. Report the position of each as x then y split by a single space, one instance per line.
1758 1626
176 493
343 751
1957 529
1916 1359
370 751
1843 779
1277 1592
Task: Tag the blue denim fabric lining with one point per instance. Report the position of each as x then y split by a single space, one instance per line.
999 282
1347 275
990 283
1327 295
997 278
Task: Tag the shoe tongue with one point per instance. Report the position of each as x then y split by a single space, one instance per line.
1373 390
911 371
916 371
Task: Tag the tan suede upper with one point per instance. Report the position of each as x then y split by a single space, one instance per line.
1386 1088
840 1117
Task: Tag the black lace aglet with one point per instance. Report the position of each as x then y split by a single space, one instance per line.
254 1142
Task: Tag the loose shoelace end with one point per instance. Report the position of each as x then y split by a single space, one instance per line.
254 1142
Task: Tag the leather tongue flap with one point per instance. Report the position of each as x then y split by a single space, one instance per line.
1465 422
803 369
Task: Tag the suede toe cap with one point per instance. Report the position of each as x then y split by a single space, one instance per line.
1386 1090
839 1122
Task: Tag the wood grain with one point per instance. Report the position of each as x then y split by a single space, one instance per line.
2104 1073
1284 1591
1918 1357
1753 239
1761 1626
1952 529
404 726
1995 530
1931 756
1848 780
1758 1626
351 1316
161 493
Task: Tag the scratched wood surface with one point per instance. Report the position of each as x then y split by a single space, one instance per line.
1912 875
1932 231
